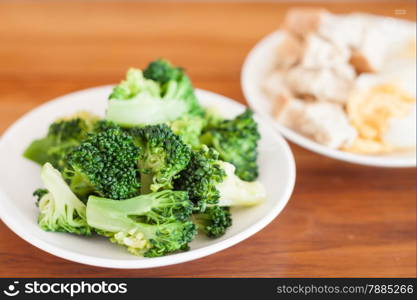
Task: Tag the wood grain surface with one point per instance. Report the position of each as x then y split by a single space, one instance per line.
342 220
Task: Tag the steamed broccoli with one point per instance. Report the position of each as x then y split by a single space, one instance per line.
105 165
236 141
39 193
201 177
237 192
175 84
60 210
63 135
210 181
162 71
163 95
160 207
189 128
150 225
214 221
103 125
162 157
135 85
155 171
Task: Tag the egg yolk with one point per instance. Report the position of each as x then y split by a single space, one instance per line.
370 111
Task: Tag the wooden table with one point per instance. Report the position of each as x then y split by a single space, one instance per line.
342 220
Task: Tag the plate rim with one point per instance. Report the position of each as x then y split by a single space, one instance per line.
300 140
144 263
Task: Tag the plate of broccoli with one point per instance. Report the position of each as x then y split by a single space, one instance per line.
146 173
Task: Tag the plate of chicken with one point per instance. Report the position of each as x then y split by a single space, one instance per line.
343 86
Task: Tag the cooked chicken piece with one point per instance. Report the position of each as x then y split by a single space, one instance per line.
320 53
345 30
342 30
326 123
274 85
289 52
359 33
360 62
323 84
382 41
288 109
370 54
302 21
345 71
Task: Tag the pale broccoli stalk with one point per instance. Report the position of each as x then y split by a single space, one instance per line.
139 101
237 192
150 225
60 210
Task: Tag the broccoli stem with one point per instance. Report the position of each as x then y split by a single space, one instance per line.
146 181
236 192
60 210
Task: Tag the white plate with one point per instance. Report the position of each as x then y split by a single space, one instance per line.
257 65
19 177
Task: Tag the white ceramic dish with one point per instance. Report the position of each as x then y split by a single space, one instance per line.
255 68
19 177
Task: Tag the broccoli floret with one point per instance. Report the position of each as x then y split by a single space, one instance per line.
138 101
162 71
135 84
103 125
201 177
162 157
214 221
212 118
189 128
236 141
60 209
63 135
147 225
210 181
105 165
164 95
175 84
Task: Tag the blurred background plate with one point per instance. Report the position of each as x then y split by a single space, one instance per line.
257 65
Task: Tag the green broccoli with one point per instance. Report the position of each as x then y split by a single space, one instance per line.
175 84
137 101
105 165
135 85
189 128
201 177
150 225
63 135
154 208
39 193
162 71
210 181
60 210
103 125
236 141
150 100
162 157
214 221
237 192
